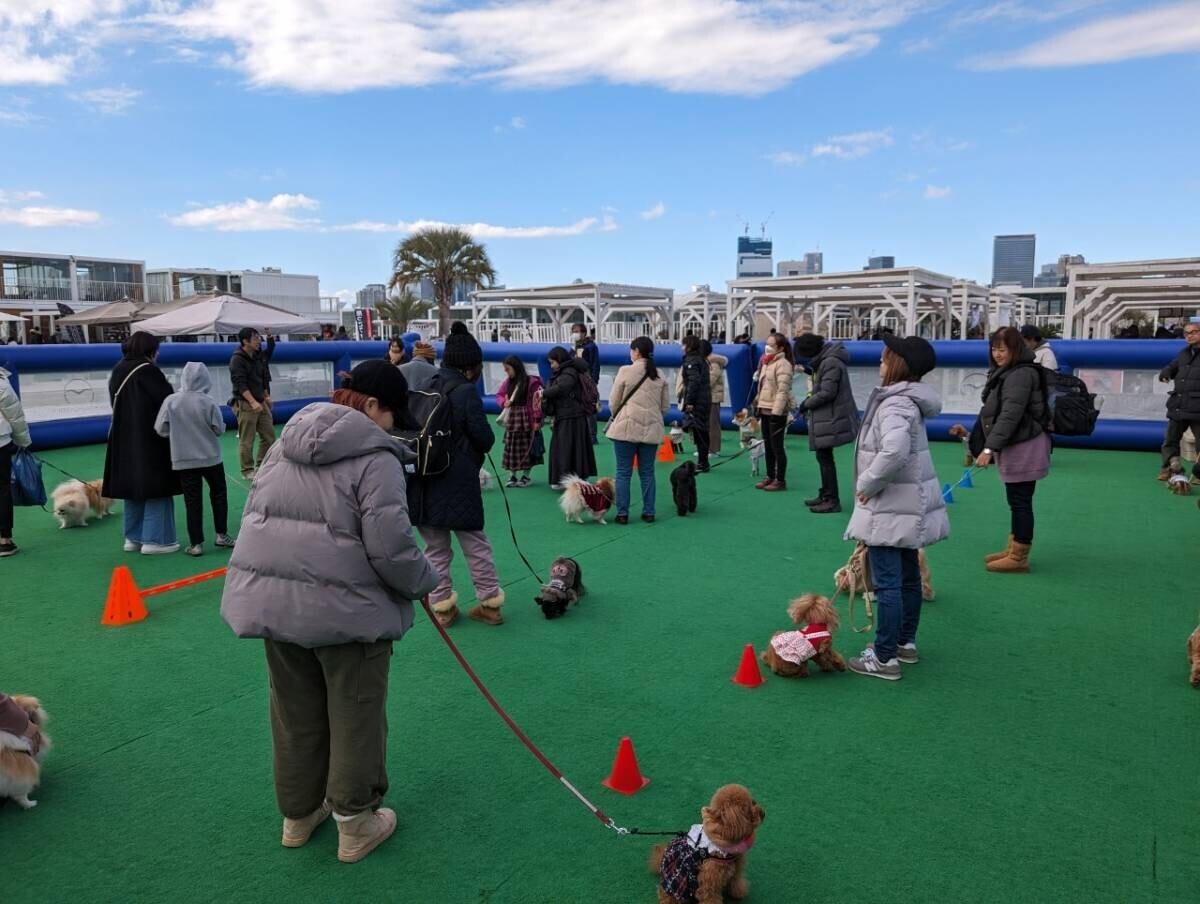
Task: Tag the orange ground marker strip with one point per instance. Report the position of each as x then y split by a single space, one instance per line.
185 582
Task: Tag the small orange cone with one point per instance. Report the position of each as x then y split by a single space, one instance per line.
635 461
625 777
748 674
666 452
124 604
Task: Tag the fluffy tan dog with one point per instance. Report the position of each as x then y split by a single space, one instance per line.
1194 656
23 746
788 652
74 501
960 432
579 496
710 860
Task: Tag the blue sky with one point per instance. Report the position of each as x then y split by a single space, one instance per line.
601 139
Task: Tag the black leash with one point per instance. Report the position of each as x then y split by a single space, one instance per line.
511 528
42 461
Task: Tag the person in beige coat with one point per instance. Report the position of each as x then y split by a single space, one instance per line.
637 403
772 402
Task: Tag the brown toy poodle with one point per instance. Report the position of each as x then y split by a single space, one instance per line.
1194 656
709 862
788 652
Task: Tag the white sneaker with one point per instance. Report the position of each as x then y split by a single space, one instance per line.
133 546
154 549
868 664
197 550
224 541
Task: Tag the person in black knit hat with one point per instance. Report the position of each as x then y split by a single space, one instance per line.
452 502
830 411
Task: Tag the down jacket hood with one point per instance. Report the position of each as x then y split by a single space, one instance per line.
924 396
196 378
325 433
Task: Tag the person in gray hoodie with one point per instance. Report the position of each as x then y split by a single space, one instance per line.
325 571
898 504
191 419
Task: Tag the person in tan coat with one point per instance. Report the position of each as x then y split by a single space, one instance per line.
637 402
774 397
716 381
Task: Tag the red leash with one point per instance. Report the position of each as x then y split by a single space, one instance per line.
521 736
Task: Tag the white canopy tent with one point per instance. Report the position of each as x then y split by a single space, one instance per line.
224 315
615 311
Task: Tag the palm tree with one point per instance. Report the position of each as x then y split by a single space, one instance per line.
445 257
398 310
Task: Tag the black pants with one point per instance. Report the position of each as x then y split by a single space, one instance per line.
829 484
700 434
1020 502
193 481
6 506
774 430
1170 446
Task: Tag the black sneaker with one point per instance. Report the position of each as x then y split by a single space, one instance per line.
649 519
8 549
816 500
828 507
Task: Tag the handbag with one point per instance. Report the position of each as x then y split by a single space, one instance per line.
537 447
28 489
504 416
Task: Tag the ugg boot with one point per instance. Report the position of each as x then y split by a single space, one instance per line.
1000 555
1016 562
296 832
360 834
446 611
488 610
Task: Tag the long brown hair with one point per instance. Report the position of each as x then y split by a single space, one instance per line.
895 369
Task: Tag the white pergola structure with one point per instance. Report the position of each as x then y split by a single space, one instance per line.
997 307
842 305
1099 295
616 312
696 311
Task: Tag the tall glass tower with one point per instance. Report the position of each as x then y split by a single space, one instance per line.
754 257
1012 260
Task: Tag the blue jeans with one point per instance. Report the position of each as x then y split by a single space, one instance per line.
645 453
150 521
896 574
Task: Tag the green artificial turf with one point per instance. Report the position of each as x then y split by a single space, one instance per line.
1045 749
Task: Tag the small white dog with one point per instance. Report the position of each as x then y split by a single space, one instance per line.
74 501
486 480
757 453
579 496
23 747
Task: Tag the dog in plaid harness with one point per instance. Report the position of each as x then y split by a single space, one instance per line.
564 587
710 859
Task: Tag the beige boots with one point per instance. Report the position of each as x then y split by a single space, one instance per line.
1014 561
296 832
988 559
360 834
488 611
446 611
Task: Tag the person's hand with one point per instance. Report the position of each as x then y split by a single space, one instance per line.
983 459
267 400
688 407
862 497
256 406
1163 378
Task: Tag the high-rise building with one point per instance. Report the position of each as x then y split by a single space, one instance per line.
886 262
1012 260
754 257
1056 274
370 295
813 263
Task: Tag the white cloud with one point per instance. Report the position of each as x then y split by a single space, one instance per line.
41 217
17 117
45 39
937 192
109 100
479 230
17 197
250 215
1174 28
853 145
517 122
609 224
922 45
1016 11
653 213
788 158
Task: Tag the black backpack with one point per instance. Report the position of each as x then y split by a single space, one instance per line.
432 436
1072 408
589 394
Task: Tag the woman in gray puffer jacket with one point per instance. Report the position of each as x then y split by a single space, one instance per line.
325 571
830 411
898 508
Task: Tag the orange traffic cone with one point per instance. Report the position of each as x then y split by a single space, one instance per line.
625 777
666 452
748 674
634 461
124 604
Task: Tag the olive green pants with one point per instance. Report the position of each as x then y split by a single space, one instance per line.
329 726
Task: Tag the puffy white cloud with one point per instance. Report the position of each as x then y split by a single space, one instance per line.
937 192
278 213
853 145
478 230
41 217
109 100
45 39
1174 28
653 213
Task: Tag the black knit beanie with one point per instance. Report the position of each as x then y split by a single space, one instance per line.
380 380
461 351
808 345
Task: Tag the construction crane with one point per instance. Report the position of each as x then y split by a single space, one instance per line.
765 222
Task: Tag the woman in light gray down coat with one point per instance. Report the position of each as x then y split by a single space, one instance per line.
325 569
898 507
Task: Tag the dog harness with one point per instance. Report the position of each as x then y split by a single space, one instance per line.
685 855
798 647
594 498
16 722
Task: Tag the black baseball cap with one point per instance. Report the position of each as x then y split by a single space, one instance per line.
916 352
380 380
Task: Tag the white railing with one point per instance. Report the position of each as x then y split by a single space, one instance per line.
105 291
37 289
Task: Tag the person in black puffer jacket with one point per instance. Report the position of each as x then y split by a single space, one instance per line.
571 449
830 411
1015 422
452 502
1183 405
697 397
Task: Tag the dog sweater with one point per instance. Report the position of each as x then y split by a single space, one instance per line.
594 498
680 869
798 647
14 721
